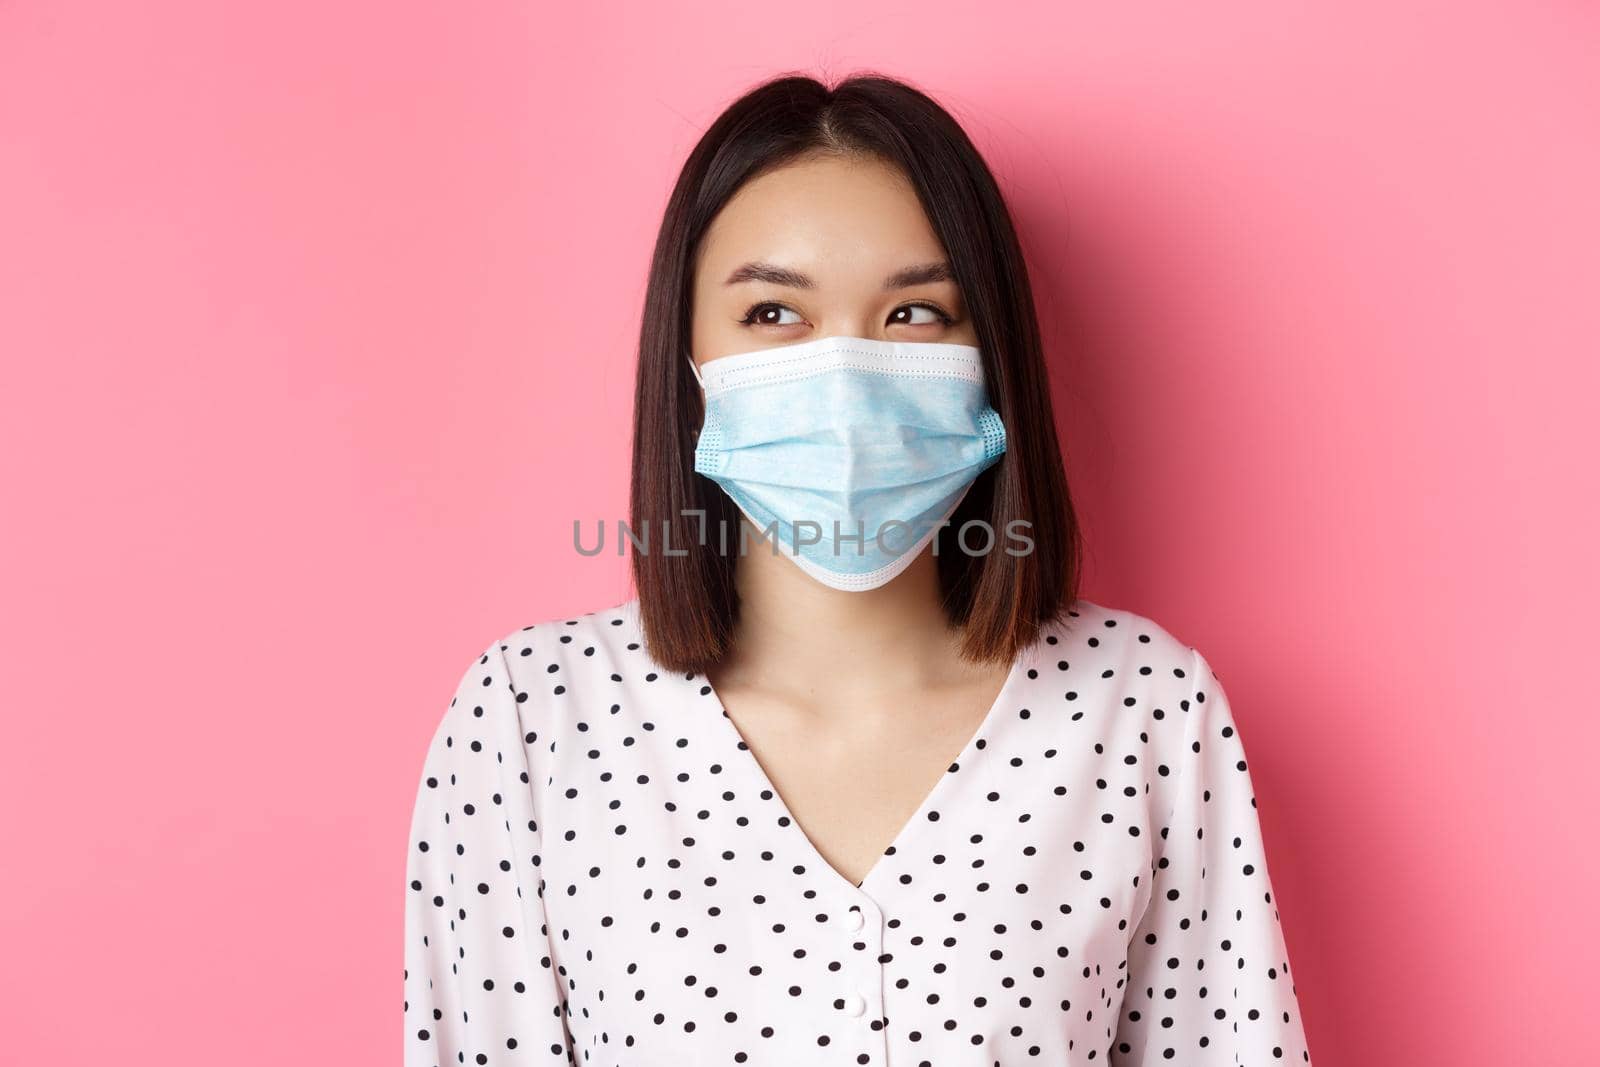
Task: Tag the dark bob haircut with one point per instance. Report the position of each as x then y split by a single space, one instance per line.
687 599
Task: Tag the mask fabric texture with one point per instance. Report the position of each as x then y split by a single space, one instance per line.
855 450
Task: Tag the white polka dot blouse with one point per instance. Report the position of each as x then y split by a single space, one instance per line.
600 872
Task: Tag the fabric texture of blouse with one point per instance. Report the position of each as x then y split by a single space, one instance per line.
600 872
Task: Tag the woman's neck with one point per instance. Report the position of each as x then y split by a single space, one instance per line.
807 642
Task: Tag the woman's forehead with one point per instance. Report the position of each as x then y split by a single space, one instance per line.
827 218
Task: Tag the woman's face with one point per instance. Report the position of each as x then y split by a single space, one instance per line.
823 246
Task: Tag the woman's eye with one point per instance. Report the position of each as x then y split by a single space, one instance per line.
901 316
763 315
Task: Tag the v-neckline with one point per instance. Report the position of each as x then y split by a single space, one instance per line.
934 796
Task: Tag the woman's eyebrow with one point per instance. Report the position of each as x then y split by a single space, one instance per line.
921 274
772 274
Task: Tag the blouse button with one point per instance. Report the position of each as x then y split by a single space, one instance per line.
853 920
855 1004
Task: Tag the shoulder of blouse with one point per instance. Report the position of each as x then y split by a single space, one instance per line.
543 656
555 667
509 700
1163 690
1121 633
517 679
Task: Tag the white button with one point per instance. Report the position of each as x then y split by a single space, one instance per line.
854 920
855 1004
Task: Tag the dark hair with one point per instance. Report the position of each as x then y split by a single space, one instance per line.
687 601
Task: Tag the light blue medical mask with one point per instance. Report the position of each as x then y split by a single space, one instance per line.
853 451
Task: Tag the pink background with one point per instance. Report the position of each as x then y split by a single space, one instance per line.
318 325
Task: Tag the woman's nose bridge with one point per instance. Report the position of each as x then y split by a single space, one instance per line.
846 323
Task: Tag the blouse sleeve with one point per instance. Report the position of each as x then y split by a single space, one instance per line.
479 984
1208 969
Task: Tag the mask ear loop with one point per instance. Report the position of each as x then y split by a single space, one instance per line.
702 381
